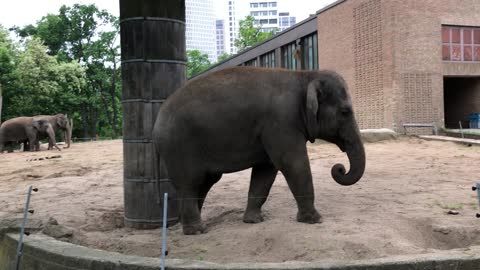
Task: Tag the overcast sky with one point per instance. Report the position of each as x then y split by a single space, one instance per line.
23 12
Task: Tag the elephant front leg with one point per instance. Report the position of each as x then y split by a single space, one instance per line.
261 182
299 178
190 212
292 160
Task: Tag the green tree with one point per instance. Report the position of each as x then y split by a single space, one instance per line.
196 62
8 55
223 57
44 85
89 36
249 34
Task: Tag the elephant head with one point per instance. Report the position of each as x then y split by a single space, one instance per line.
63 122
329 116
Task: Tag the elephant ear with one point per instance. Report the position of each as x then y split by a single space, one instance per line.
36 124
61 120
314 93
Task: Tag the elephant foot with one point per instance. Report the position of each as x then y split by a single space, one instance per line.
193 229
252 217
309 217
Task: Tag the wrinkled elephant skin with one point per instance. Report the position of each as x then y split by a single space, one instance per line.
245 117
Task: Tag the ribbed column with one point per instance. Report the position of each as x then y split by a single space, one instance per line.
153 66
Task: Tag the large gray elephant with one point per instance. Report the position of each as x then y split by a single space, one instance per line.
31 129
244 117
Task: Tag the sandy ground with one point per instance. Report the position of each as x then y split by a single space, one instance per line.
399 207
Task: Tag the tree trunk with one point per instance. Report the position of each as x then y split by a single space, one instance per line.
107 111
114 100
84 119
93 122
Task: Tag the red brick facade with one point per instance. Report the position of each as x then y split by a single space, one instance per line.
390 52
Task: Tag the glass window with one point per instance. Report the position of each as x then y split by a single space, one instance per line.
310 52
476 36
288 53
460 43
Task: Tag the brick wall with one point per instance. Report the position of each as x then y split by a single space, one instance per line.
389 51
354 40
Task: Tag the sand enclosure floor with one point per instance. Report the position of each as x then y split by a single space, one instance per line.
398 208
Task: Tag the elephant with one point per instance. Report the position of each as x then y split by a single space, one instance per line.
58 122
43 126
259 118
29 130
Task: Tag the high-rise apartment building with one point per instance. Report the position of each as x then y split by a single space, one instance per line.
220 30
267 15
232 26
285 20
200 28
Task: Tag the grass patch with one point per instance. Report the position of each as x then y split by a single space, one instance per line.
449 206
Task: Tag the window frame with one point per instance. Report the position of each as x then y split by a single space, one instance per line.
462 44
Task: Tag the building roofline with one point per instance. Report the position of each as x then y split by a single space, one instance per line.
313 17
332 5
291 28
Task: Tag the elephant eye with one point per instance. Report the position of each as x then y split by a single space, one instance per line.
346 111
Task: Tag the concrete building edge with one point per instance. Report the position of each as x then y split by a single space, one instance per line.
43 252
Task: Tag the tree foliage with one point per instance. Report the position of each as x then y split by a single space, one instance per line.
43 84
88 36
223 57
249 34
196 62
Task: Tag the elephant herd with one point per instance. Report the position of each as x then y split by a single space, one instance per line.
30 130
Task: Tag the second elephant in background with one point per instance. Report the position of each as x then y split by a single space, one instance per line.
43 127
57 122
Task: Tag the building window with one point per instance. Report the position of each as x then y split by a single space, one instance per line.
461 44
252 62
268 60
272 21
310 52
288 53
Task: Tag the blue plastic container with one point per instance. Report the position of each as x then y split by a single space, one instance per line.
475 120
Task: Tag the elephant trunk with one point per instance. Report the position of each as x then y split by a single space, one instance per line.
68 133
356 156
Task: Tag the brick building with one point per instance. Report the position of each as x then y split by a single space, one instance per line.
405 61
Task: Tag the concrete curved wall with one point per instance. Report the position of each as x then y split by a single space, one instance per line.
42 252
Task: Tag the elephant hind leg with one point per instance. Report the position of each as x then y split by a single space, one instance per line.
205 187
261 182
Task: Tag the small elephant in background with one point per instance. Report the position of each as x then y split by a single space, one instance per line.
44 128
30 130
58 122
